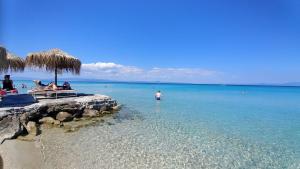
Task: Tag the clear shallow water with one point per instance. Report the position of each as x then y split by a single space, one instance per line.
194 126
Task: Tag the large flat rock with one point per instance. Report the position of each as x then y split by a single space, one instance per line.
13 119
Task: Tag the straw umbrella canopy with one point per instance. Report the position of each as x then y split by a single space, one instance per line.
3 58
9 61
54 60
2 54
15 63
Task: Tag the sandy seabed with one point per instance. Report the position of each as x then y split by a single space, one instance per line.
132 142
18 154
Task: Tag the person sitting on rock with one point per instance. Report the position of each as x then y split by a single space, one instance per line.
7 83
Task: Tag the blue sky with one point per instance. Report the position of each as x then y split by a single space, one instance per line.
199 41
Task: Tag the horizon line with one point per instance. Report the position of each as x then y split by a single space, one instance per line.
165 82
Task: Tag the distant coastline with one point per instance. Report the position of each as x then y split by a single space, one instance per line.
74 80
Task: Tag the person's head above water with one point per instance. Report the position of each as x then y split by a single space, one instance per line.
158 91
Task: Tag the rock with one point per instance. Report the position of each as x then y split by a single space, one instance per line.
47 120
117 107
14 120
103 108
106 112
90 113
112 102
24 119
31 128
50 121
64 116
76 125
57 123
10 127
76 119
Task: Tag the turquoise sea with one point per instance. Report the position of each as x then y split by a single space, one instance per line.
193 126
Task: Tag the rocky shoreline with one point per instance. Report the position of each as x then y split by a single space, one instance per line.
25 122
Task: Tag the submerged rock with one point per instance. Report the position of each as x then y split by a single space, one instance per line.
47 120
32 132
31 128
57 123
84 122
50 121
117 107
70 128
76 119
90 113
64 116
106 112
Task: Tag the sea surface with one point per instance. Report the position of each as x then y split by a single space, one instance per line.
193 126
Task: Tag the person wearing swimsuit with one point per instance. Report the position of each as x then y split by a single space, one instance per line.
158 95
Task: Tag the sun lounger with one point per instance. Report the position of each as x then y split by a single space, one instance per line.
44 90
48 93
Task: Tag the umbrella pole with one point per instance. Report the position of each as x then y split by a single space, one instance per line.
56 76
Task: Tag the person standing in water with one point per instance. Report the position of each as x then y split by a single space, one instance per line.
158 95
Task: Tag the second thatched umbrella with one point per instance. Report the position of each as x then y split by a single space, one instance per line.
54 60
9 61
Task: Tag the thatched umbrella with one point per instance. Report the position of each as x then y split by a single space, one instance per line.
2 53
3 58
54 60
9 61
15 63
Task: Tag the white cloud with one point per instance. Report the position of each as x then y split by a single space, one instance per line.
110 68
113 71
101 65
